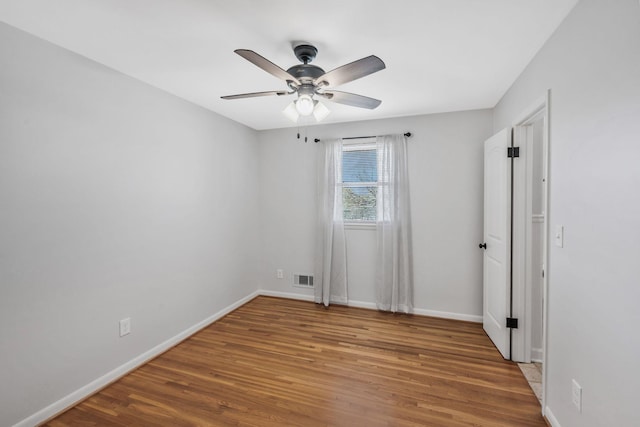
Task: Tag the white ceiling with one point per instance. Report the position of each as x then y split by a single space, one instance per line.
441 55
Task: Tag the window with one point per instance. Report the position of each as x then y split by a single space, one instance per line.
359 182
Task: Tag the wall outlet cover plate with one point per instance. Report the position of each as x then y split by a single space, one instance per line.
125 326
559 236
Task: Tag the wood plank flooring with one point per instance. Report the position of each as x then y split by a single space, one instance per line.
277 362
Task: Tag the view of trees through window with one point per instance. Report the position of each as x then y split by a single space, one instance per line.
359 188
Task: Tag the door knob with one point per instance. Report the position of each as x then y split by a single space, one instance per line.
482 246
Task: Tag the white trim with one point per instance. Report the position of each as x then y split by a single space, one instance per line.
533 110
539 109
287 295
538 218
362 304
546 141
551 418
521 292
536 355
372 306
122 370
363 225
447 315
359 144
358 184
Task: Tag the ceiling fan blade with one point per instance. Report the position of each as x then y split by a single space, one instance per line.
352 71
351 99
256 94
266 65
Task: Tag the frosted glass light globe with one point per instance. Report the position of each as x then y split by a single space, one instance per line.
304 105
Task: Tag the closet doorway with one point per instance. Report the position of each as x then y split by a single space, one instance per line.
517 229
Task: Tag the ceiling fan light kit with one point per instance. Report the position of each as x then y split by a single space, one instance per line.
304 105
318 112
305 102
309 81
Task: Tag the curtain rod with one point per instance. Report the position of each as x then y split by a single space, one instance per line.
407 134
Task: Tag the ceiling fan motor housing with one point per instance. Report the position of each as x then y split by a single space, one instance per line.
306 73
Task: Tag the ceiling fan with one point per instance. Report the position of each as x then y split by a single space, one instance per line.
310 81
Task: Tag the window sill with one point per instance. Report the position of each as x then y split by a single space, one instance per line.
360 226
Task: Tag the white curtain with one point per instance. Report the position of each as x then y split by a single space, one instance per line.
394 270
331 255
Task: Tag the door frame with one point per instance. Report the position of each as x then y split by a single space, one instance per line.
522 247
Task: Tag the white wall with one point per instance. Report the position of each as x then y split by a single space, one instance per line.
117 200
446 176
592 66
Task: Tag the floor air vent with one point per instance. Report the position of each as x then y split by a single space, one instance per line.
302 281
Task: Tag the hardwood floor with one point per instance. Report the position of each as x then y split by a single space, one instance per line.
277 362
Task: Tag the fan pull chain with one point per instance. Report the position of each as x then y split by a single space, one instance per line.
306 134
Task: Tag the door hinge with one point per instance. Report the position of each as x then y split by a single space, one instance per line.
513 152
512 323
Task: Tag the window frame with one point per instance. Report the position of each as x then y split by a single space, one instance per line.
364 144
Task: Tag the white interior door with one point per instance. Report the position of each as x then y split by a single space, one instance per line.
497 229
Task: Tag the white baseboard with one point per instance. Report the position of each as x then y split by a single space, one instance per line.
99 383
551 418
372 306
287 295
536 355
447 315
362 304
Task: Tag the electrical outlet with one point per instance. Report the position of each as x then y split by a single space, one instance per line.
125 326
576 395
280 273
